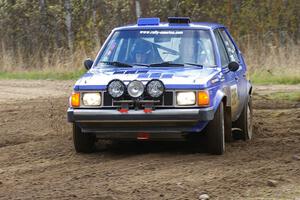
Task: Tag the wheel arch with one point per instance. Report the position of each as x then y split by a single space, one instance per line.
221 97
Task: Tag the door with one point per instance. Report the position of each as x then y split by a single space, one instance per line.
240 74
229 76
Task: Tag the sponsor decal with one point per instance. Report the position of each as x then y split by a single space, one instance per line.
234 96
163 32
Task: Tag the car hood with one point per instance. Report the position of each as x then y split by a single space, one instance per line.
170 76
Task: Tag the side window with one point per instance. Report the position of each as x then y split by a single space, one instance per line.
229 46
222 50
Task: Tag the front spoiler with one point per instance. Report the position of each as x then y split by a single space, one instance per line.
168 115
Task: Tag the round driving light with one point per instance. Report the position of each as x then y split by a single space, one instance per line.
155 88
116 88
135 89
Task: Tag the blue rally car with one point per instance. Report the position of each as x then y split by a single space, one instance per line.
163 81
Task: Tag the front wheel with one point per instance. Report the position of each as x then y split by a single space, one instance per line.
215 132
83 142
245 122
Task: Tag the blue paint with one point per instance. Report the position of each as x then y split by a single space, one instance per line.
167 75
148 21
155 75
143 76
142 71
130 72
182 87
119 72
89 87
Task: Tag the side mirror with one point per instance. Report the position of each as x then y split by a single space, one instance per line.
233 66
88 63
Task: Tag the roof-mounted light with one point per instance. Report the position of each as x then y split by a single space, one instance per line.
148 21
179 20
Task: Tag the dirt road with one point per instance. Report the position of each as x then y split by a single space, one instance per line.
37 159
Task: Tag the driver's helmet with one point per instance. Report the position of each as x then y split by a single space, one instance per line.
141 51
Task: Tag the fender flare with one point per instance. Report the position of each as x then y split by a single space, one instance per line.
220 95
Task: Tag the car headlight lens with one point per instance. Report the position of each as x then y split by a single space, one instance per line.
91 99
155 88
135 89
186 98
116 88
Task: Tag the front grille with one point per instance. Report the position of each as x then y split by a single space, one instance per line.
107 100
165 100
168 98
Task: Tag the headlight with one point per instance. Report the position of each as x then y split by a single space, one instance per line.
116 88
155 88
135 89
91 99
186 98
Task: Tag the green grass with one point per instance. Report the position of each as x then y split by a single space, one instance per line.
290 96
266 78
42 75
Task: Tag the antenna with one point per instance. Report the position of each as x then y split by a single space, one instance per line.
176 9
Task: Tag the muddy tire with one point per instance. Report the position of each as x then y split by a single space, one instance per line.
83 142
244 123
228 124
215 132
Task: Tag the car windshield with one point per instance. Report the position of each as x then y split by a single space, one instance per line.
155 47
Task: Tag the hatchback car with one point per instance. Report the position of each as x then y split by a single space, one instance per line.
163 81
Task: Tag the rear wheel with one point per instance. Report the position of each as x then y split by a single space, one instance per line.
245 123
216 132
83 142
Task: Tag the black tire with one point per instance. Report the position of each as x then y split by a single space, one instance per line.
244 123
83 142
228 124
215 132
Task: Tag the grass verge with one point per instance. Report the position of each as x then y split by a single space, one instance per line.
256 78
42 75
289 96
266 78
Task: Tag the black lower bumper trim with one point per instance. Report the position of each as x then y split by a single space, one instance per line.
102 116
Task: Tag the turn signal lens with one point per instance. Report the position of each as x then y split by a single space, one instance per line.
75 100
203 98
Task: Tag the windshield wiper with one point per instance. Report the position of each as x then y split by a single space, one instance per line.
116 63
141 64
194 64
165 63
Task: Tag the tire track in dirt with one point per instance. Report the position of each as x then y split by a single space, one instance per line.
37 160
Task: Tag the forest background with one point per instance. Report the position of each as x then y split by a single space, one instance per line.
49 39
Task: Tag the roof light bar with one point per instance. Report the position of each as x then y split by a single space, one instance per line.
148 21
179 20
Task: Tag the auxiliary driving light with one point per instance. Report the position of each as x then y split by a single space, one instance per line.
155 88
135 89
116 88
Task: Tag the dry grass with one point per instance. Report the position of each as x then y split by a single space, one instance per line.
268 62
59 60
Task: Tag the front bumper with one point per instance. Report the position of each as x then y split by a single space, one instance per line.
161 124
101 116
